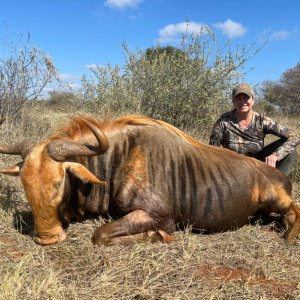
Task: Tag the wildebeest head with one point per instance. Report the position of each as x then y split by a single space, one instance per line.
45 168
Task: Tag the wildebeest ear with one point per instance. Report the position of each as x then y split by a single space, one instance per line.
13 170
82 173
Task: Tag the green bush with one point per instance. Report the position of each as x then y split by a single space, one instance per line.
187 86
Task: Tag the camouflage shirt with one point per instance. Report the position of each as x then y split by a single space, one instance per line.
250 140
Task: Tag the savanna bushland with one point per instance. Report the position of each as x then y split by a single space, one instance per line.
189 87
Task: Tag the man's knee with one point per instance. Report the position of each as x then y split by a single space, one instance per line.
285 165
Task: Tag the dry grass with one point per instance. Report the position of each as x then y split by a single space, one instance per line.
253 262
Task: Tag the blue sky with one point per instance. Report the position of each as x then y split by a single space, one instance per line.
78 34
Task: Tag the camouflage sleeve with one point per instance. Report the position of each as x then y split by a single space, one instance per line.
216 136
292 139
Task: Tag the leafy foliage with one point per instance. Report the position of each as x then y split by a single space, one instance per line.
108 90
63 101
186 86
285 93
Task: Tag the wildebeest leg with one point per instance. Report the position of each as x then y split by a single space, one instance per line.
150 235
293 219
135 226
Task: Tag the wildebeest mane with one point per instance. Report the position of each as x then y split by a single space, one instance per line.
76 128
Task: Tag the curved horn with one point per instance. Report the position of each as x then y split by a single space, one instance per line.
13 170
101 138
60 150
22 148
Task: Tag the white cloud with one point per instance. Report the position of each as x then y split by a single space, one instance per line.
122 3
270 35
74 86
47 90
172 32
68 77
91 66
280 35
231 29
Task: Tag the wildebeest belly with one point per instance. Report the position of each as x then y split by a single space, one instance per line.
213 212
212 197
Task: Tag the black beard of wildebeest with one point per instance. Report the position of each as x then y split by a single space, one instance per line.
149 176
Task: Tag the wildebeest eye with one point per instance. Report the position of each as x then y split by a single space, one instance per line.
57 185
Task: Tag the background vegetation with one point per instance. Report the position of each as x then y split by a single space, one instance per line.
187 86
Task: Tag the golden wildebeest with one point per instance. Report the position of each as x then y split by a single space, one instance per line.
155 178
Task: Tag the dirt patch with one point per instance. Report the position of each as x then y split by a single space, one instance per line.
10 248
215 275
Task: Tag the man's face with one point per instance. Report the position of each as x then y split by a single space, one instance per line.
243 103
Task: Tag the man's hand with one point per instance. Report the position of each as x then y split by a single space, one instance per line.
271 160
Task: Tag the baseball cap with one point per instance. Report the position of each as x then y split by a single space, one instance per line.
243 88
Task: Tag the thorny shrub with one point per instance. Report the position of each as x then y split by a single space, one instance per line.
187 87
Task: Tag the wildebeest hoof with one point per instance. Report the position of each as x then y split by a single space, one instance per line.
50 240
160 235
